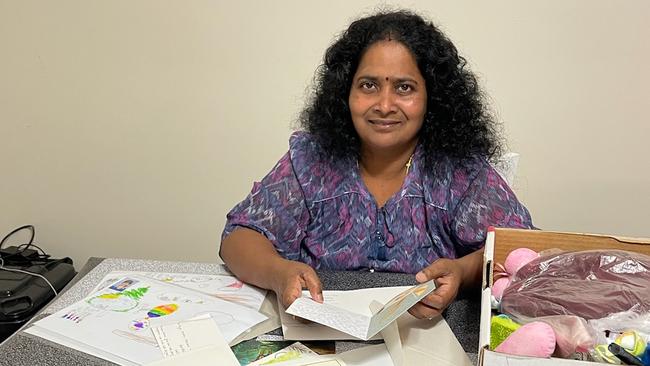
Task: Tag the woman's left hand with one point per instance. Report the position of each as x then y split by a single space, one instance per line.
448 276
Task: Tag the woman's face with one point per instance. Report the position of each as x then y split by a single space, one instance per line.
388 97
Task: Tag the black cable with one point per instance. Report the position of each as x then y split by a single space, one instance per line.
17 257
31 239
27 245
41 258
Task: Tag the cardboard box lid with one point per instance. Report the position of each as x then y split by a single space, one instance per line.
538 240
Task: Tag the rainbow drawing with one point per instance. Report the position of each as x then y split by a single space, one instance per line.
162 310
158 311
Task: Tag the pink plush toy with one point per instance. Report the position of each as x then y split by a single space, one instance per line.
515 260
536 339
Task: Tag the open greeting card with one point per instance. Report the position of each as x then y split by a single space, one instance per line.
356 301
359 325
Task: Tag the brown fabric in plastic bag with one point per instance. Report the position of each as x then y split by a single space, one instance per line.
590 284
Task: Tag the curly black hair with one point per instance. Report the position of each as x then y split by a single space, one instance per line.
457 123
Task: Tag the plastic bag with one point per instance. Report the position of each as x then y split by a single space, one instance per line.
590 284
633 319
572 334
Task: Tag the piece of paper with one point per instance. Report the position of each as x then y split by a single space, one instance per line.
200 334
424 342
313 361
430 342
270 309
374 355
118 319
188 335
74 344
354 300
207 356
412 341
225 287
391 337
359 325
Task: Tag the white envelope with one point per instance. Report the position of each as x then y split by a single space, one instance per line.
412 341
430 342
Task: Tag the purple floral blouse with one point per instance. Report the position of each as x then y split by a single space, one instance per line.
322 214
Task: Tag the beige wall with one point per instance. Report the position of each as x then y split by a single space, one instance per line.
130 128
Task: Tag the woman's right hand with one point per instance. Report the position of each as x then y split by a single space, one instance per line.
292 277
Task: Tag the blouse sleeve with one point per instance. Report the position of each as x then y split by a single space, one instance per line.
275 208
488 201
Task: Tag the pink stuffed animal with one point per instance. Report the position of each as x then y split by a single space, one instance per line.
536 339
515 260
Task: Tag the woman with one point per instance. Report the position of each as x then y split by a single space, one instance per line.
390 174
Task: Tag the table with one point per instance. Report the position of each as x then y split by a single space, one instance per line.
22 349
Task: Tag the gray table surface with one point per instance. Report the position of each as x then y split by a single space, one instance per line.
23 349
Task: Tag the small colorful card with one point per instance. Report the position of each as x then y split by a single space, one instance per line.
252 351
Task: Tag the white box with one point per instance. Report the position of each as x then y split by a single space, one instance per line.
499 242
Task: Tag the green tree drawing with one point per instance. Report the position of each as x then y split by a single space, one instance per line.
136 294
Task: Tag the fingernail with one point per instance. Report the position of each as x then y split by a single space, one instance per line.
420 277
